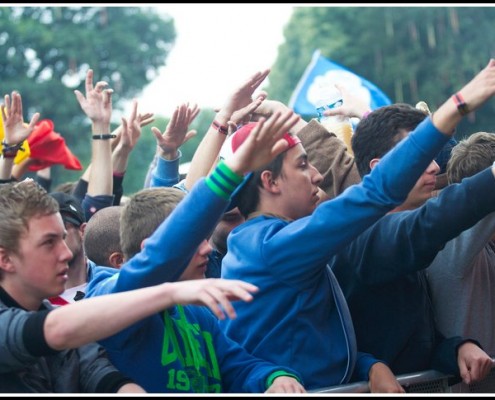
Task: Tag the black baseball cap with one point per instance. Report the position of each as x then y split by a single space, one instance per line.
70 208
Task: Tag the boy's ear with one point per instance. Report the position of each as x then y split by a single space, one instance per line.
5 260
268 183
116 259
374 162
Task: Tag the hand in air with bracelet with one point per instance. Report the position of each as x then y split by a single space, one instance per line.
97 105
177 131
15 130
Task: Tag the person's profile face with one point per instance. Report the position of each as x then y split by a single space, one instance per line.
299 184
42 262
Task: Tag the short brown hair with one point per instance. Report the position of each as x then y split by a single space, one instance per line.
143 213
102 235
470 156
19 202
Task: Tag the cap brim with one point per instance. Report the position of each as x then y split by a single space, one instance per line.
234 198
72 220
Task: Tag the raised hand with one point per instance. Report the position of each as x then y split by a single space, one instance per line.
245 114
176 133
480 88
145 119
14 128
97 104
242 96
142 119
264 142
352 106
131 128
475 93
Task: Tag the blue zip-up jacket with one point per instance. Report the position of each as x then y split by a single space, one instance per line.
181 350
293 320
382 276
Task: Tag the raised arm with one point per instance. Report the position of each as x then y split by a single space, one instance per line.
474 94
127 138
177 131
206 154
164 169
15 132
97 105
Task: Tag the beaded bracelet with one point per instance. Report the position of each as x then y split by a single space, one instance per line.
460 104
9 155
220 128
105 136
10 151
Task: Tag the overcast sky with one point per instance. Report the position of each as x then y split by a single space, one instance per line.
217 47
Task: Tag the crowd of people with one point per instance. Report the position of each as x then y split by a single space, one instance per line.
281 262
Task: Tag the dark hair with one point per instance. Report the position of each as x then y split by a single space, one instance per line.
249 196
381 130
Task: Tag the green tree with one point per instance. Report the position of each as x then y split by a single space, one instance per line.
411 53
46 51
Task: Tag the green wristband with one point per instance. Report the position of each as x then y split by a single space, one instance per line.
276 374
223 181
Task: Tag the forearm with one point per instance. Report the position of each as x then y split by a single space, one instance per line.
166 172
206 154
96 318
100 175
6 166
120 159
446 118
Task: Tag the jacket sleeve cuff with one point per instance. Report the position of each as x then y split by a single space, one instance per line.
33 335
112 382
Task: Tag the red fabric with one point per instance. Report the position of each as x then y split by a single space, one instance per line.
233 142
49 148
58 301
242 133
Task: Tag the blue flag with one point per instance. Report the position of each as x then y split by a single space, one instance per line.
321 71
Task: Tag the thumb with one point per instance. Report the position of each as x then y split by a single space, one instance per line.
464 372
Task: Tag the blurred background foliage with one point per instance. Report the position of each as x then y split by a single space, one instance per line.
412 53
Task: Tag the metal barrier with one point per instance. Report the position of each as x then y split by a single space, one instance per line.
429 381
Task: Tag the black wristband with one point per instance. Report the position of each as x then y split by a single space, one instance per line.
105 136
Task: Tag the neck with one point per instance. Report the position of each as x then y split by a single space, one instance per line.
270 206
78 271
22 296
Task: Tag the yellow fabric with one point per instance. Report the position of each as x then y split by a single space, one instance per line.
21 155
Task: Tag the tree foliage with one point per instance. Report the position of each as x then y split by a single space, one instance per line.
411 53
46 51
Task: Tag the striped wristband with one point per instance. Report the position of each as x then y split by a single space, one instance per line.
223 181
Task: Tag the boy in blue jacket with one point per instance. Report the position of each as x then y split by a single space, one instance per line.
182 349
300 317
